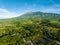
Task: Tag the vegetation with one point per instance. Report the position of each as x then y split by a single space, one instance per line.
31 30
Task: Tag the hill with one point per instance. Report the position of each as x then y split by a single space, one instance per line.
30 15
32 28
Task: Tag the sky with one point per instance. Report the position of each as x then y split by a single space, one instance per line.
14 8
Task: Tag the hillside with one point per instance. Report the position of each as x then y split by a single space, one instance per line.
30 15
34 28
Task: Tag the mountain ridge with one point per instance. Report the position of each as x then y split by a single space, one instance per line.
30 15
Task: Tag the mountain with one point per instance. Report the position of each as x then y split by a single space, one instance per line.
30 15
37 28
38 14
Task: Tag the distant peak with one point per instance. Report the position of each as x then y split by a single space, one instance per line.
29 12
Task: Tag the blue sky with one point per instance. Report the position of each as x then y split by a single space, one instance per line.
13 8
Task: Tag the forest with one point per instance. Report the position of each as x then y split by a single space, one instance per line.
35 28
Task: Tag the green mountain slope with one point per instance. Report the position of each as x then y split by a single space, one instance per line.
31 15
38 15
35 28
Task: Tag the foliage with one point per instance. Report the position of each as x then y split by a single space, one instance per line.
32 31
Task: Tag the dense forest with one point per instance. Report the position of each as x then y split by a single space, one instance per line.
33 28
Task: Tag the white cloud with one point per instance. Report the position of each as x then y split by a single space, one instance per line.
51 9
4 13
57 5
